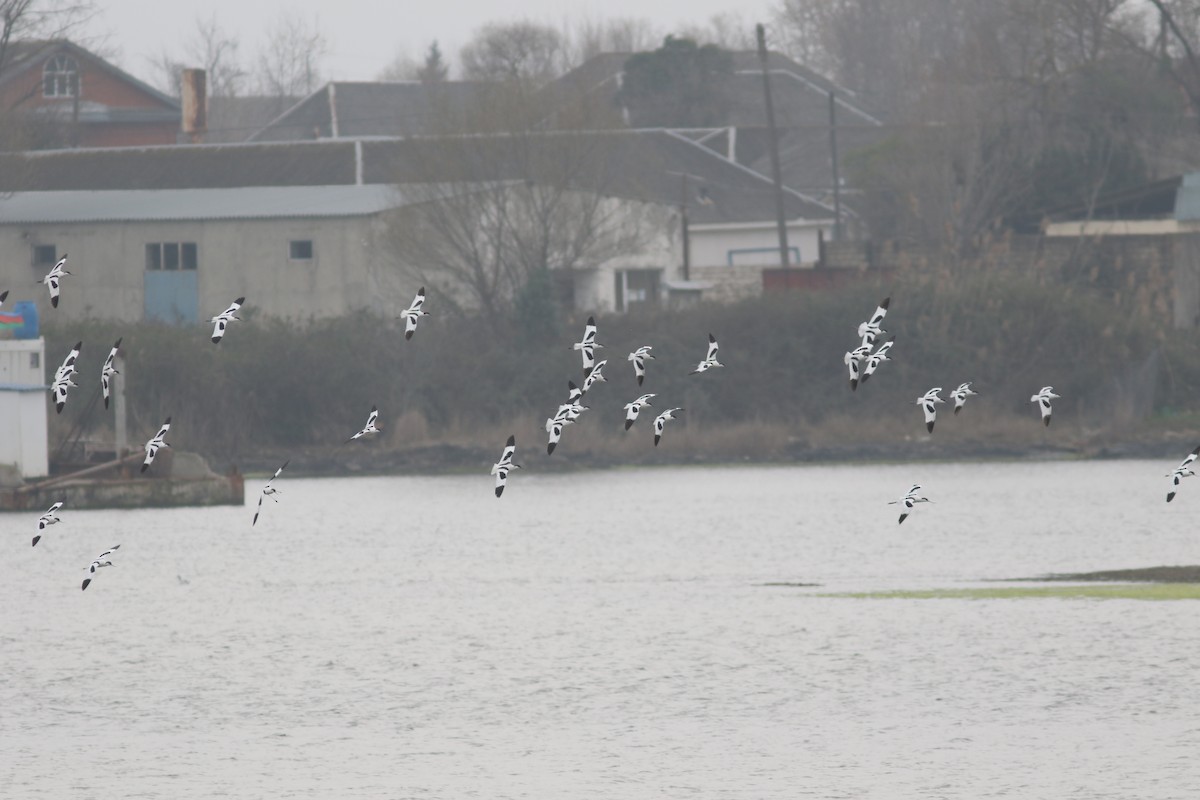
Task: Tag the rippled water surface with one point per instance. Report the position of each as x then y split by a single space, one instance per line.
608 635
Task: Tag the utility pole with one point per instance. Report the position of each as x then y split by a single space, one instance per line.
774 142
837 184
683 219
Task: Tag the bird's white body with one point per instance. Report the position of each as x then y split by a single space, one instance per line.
46 520
875 359
1043 399
62 383
710 359
593 376
960 395
909 502
1179 473
588 344
634 408
108 371
928 403
222 320
268 491
156 443
99 562
505 465
414 313
53 279
639 358
369 428
660 423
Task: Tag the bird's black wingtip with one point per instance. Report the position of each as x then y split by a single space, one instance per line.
957 409
118 342
550 448
854 384
167 421
929 426
144 467
657 436
711 338
886 301
86 581
407 335
1170 497
240 300
3 295
58 407
106 402
1047 421
36 539
216 340
512 441
499 491
78 345
902 518
54 302
640 378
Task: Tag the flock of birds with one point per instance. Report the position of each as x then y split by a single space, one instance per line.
862 362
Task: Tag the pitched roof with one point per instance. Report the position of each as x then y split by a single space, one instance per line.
31 54
256 202
647 165
236 119
801 96
346 109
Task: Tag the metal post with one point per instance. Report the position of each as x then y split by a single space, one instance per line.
833 154
774 142
118 389
683 218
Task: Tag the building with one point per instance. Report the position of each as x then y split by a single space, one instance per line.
84 100
174 233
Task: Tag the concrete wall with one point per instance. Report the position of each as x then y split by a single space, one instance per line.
235 257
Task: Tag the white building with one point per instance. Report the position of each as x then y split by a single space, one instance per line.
23 441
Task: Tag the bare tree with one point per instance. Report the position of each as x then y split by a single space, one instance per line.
211 48
488 215
39 19
289 65
589 37
515 51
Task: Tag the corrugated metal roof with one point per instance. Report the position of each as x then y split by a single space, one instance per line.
147 205
1187 198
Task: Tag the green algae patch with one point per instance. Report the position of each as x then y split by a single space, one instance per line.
1122 591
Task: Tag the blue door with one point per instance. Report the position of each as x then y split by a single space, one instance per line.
171 296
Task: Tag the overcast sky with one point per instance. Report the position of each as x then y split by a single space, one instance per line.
364 36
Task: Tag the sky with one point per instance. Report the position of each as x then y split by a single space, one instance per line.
362 39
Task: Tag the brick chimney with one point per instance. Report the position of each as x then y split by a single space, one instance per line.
194 91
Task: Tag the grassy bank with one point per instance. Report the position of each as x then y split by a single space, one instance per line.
462 385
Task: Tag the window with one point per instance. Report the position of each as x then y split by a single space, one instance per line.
300 250
171 256
60 77
45 255
636 287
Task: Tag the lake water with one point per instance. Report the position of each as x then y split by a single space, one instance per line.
609 635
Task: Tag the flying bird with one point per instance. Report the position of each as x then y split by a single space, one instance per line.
100 561
505 465
155 444
868 331
960 395
3 296
928 403
660 423
877 358
53 279
268 491
109 370
1043 399
46 520
593 376
639 358
369 428
588 344
909 501
566 415
710 360
62 378
224 318
1176 475
852 359
633 409
414 313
